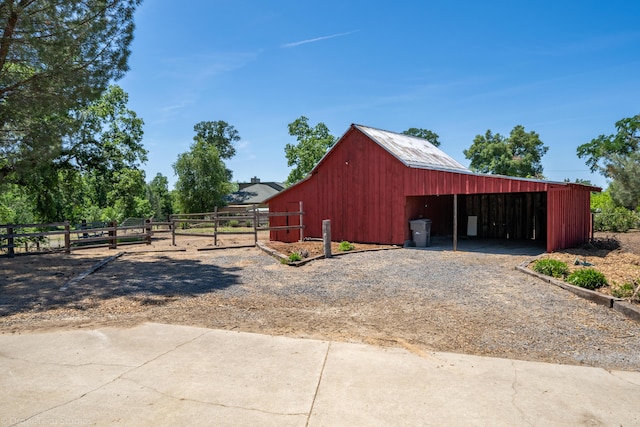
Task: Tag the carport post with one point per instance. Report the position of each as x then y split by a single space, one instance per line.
455 222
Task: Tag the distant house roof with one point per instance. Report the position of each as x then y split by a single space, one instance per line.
254 192
412 151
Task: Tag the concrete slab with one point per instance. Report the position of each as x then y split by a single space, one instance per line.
363 385
157 375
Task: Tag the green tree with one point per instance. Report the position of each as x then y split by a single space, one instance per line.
219 134
203 178
430 136
127 196
625 187
55 58
617 157
313 143
159 197
518 155
105 138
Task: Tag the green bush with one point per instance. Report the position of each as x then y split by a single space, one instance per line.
551 267
346 246
615 219
234 223
587 278
295 256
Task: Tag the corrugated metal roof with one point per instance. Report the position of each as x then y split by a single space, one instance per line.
412 151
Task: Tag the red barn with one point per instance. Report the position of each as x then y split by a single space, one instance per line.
373 182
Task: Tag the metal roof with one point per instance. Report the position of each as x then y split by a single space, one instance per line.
413 151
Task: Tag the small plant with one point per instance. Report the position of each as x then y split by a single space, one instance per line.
294 257
624 291
551 267
234 223
346 246
587 278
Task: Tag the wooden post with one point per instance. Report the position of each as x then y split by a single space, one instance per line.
256 218
455 222
113 235
173 230
326 237
215 226
67 237
10 252
148 231
302 225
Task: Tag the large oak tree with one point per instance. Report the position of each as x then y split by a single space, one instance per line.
519 155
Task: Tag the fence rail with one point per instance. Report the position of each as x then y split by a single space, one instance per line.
65 237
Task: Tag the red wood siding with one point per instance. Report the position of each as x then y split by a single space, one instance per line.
568 218
358 187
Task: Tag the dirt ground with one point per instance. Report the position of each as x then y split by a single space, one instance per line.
244 289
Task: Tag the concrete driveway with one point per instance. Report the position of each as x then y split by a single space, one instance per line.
166 375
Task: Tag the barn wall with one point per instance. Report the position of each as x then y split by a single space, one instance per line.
419 182
569 218
358 187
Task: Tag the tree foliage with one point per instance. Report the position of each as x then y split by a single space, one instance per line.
313 143
104 149
55 59
159 197
599 151
430 136
617 157
219 134
518 155
203 178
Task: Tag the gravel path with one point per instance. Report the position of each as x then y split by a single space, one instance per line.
423 300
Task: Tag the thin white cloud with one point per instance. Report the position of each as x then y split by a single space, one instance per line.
317 39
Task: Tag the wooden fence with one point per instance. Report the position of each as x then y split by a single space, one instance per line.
63 236
230 220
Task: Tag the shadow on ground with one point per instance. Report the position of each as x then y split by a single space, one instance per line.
488 246
143 281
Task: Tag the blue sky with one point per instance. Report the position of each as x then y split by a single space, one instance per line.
567 70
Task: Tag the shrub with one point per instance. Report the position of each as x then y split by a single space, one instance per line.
624 291
234 223
615 219
295 256
587 278
346 246
551 267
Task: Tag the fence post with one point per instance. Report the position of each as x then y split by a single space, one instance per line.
326 237
301 224
10 252
148 230
172 219
215 226
67 237
256 218
113 235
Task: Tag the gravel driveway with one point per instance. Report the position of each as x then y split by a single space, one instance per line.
424 300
